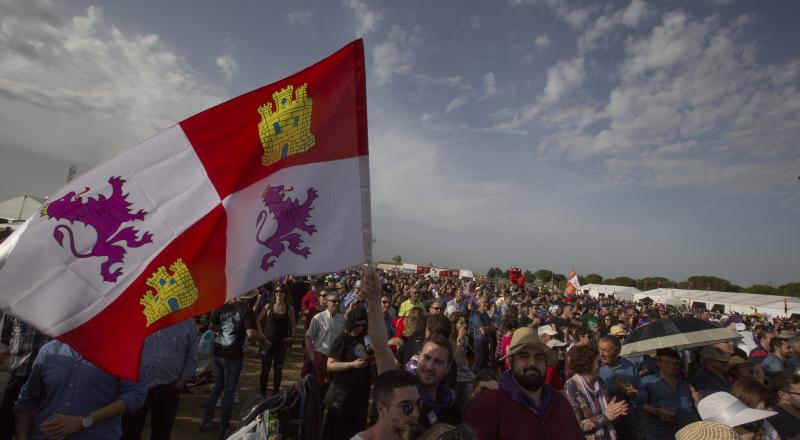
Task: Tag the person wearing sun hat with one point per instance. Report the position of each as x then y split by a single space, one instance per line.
706 430
724 408
523 406
617 331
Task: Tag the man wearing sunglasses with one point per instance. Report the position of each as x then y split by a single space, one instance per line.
324 328
398 406
435 358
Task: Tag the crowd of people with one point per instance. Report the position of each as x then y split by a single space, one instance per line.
399 355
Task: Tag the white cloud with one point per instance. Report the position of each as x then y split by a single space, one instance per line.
394 56
474 22
577 17
604 26
79 88
228 66
367 18
564 76
454 82
455 103
542 41
489 85
301 17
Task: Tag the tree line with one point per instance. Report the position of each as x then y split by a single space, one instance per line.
697 282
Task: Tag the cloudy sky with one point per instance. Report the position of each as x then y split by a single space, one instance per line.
636 138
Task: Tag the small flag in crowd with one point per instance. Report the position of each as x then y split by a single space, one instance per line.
271 183
785 306
573 285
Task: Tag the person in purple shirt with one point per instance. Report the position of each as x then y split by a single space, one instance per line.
68 396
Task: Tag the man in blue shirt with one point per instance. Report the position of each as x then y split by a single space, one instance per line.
169 358
482 330
775 362
68 396
666 398
622 381
711 378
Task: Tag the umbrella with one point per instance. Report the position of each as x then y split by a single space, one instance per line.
679 333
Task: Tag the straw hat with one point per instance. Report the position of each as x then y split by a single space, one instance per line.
617 330
706 431
527 337
724 408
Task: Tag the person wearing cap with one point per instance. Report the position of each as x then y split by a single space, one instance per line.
711 377
324 328
523 406
722 407
622 380
665 397
555 373
546 333
739 368
775 362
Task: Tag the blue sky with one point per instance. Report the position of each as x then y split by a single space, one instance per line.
625 138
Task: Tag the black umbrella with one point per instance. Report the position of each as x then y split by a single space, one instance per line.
679 333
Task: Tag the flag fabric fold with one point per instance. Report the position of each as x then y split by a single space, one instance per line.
271 183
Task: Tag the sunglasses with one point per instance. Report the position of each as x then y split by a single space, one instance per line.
384 302
406 406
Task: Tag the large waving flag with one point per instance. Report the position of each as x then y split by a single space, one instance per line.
271 183
573 285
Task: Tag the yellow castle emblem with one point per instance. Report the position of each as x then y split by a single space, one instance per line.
287 130
173 292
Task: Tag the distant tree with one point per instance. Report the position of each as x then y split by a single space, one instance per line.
706 282
529 276
397 259
544 275
494 273
582 280
593 278
789 289
733 288
623 281
504 274
762 289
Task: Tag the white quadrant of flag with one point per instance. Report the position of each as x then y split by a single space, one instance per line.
103 241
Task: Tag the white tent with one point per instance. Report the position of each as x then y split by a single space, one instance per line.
622 293
725 302
20 208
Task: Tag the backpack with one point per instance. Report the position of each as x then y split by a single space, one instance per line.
298 411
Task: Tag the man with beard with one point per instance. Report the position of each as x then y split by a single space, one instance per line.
434 360
523 406
397 403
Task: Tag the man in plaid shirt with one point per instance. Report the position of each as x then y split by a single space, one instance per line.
23 343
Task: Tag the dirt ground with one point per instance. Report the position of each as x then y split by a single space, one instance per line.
191 408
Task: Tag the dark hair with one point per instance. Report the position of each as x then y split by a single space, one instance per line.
441 341
751 392
614 341
439 325
582 331
782 382
385 384
355 315
668 352
776 342
454 317
582 359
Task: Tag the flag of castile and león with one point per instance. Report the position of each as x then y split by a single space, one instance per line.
271 183
573 285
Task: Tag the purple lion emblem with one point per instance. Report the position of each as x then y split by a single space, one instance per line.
106 216
290 215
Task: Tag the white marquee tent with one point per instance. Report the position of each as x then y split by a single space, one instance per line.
725 302
622 293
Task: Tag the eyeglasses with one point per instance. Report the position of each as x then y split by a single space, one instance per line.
436 308
406 406
384 302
